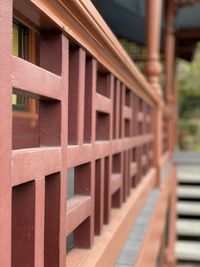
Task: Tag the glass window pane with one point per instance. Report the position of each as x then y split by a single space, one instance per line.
14 99
20 40
19 103
15 39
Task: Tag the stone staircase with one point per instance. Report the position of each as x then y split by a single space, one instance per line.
188 216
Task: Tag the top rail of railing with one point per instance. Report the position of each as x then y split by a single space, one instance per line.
84 24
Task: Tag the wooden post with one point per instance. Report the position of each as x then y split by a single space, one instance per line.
170 96
153 70
170 69
169 50
153 19
170 257
5 131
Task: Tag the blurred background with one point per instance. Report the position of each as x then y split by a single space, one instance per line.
189 99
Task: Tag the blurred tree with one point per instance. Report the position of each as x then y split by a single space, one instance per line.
189 102
189 84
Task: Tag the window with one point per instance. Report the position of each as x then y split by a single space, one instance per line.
25 109
19 103
20 40
20 49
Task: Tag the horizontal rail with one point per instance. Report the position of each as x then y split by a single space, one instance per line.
35 80
82 22
140 116
133 169
81 154
127 113
144 160
103 104
78 209
29 164
150 154
116 182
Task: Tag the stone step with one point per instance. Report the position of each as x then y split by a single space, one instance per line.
184 159
188 208
192 178
188 250
188 228
192 192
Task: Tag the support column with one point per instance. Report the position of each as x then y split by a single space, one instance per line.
170 259
170 67
153 70
169 51
153 28
170 97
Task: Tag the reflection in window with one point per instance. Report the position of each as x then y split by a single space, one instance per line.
25 109
19 103
25 122
20 49
20 40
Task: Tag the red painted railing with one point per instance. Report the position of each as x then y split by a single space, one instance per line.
96 117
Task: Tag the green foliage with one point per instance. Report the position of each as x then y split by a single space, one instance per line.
188 127
189 102
183 127
189 84
186 143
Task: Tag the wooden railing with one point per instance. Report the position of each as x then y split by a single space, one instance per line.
97 119
165 134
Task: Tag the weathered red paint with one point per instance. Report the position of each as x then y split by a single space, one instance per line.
5 131
90 118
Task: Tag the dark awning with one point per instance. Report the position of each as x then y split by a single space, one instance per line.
127 20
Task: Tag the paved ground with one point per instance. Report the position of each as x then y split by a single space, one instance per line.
188 216
131 248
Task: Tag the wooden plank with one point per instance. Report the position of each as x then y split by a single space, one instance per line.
27 164
39 222
78 209
133 169
78 155
127 113
77 62
144 160
116 182
99 196
6 22
103 104
43 82
140 116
